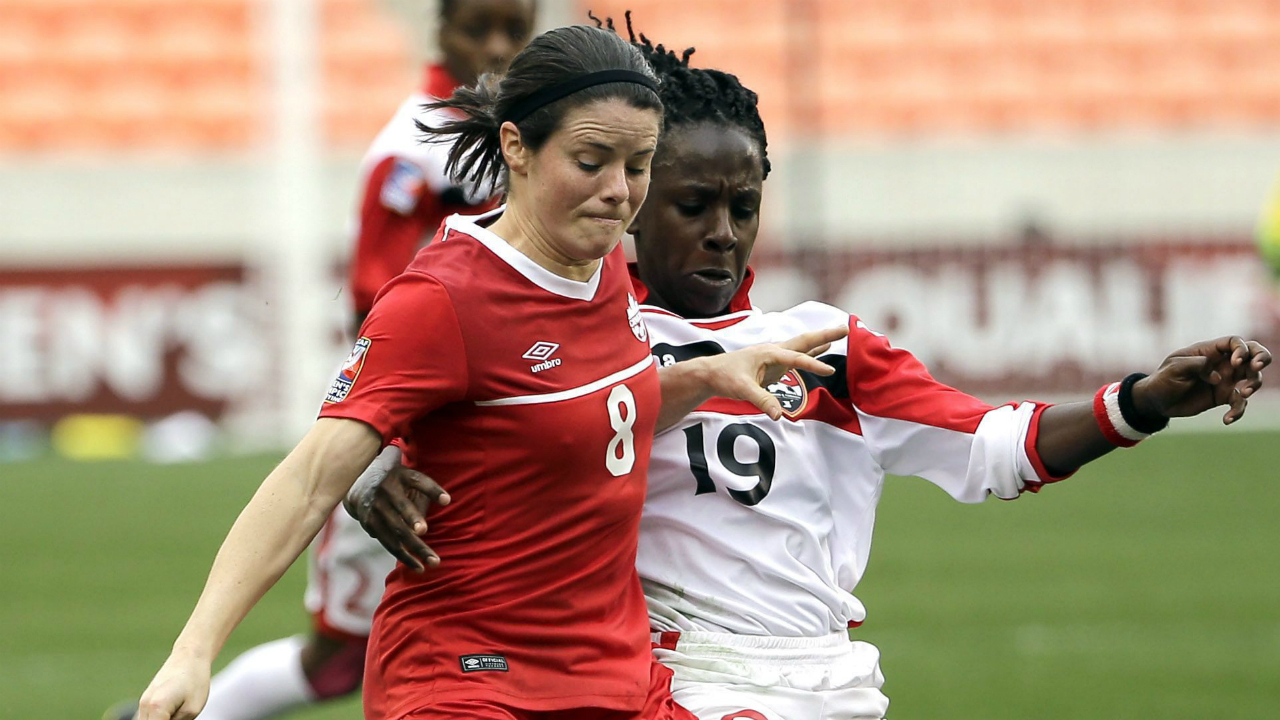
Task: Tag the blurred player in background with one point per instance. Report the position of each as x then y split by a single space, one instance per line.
756 533
405 195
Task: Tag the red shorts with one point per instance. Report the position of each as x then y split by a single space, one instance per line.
658 706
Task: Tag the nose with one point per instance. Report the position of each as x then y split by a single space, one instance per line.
615 190
720 237
499 47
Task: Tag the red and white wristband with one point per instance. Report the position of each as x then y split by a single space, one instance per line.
1119 419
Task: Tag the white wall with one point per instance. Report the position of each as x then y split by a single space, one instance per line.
109 210
1195 183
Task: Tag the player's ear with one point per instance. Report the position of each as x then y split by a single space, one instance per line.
514 151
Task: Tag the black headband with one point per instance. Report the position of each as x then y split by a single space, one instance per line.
546 96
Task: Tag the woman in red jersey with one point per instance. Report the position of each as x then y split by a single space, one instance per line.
513 358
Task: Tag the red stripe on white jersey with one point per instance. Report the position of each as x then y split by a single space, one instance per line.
889 382
821 407
715 324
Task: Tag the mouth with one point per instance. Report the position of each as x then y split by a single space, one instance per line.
714 277
605 220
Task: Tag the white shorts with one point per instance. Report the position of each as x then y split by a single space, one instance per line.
346 574
745 677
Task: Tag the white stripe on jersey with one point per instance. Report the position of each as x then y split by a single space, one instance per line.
764 528
572 393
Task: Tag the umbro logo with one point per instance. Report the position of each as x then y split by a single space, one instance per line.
542 352
477 663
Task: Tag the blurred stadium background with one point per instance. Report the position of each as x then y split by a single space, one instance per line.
1033 195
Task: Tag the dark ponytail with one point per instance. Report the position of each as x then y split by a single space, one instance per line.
549 60
476 154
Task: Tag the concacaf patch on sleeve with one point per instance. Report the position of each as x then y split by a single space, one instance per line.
403 187
350 370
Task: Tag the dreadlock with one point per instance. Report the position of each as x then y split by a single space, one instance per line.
693 95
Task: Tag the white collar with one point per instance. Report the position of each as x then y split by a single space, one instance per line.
523 264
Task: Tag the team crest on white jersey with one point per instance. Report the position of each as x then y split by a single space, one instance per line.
636 320
791 393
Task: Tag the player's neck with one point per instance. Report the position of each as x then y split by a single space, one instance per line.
529 239
655 299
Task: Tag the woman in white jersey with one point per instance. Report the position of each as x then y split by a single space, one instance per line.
755 533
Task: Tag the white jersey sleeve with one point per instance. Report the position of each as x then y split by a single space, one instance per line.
402 139
915 425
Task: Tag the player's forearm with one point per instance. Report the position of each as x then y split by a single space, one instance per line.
1069 437
684 388
285 513
268 536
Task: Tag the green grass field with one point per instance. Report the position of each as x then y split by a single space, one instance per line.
1146 587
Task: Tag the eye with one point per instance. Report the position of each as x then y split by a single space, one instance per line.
745 212
588 167
690 209
637 172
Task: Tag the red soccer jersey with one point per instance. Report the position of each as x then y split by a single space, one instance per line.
533 399
405 192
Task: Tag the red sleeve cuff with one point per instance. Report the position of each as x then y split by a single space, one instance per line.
376 419
1033 453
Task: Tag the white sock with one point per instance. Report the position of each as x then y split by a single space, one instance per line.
262 682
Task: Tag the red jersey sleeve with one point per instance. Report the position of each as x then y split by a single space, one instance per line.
409 359
891 382
396 213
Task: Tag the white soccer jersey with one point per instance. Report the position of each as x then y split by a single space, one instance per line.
401 138
758 527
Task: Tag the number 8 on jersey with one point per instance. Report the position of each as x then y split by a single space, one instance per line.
621 454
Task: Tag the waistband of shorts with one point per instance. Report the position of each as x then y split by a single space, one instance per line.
700 643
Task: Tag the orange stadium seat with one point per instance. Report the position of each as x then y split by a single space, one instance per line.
366 73
190 75
187 76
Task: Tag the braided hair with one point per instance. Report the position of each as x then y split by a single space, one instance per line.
694 95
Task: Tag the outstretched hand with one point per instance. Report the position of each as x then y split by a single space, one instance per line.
744 374
390 501
1226 371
